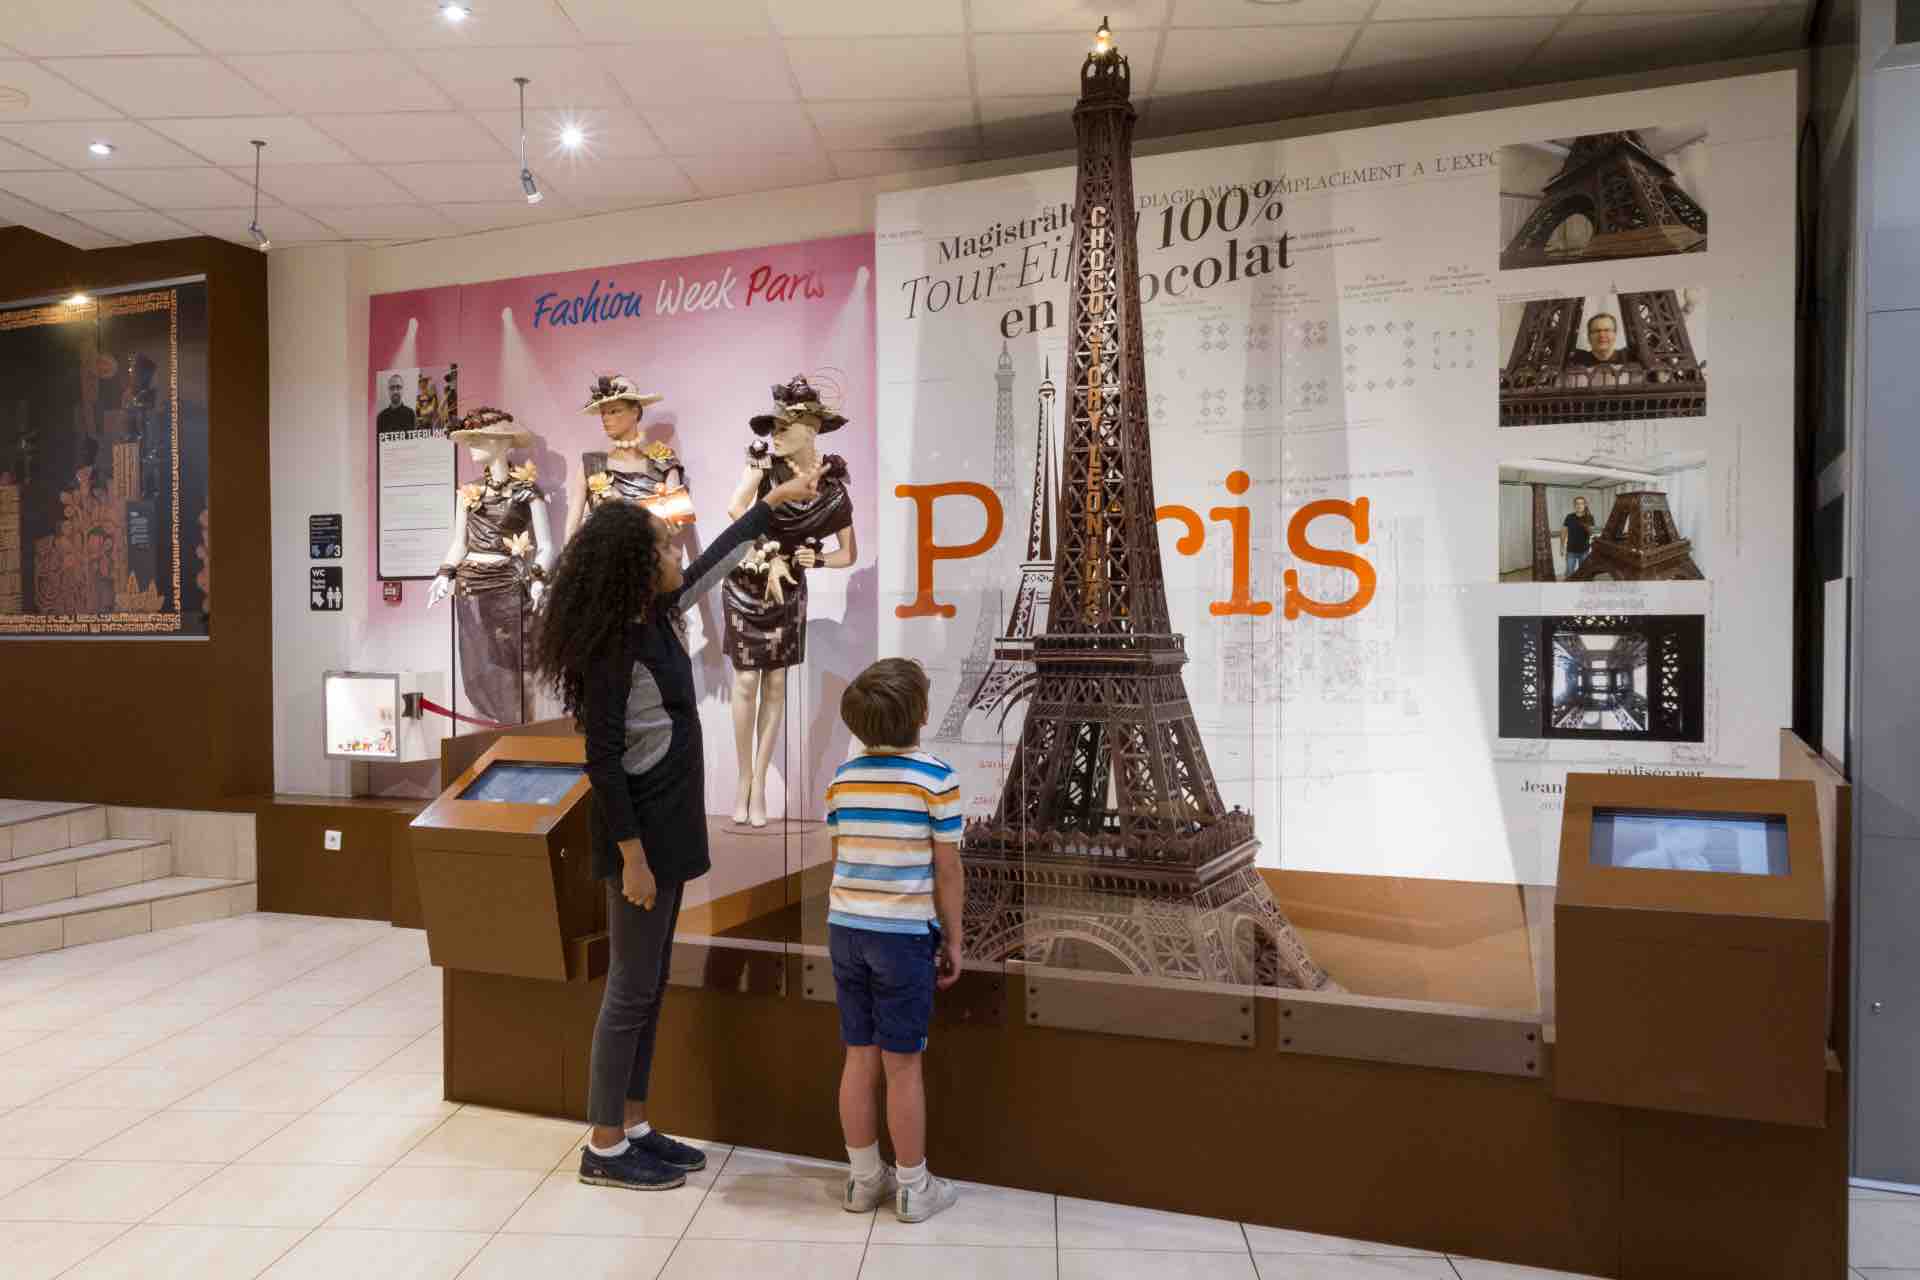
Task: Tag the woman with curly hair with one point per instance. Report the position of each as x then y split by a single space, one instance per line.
610 644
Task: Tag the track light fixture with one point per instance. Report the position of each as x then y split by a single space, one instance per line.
455 14
527 184
260 240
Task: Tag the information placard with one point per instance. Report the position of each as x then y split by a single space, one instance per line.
415 462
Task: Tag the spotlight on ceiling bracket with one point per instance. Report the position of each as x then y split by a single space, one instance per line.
527 184
260 240
455 14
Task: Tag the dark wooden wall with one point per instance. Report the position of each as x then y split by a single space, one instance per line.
166 723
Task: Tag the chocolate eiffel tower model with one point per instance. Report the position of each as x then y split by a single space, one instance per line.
1010 679
1110 843
1634 202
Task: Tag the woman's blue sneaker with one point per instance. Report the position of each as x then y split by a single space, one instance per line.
632 1169
668 1152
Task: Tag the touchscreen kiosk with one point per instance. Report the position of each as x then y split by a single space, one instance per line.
1690 947
504 865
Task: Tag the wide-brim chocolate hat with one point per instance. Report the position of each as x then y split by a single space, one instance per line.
616 387
487 423
796 399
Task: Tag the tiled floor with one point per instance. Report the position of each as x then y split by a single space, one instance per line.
261 1096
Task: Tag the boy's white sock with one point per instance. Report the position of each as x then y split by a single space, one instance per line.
639 1131
912 1177
866 1162
617 1149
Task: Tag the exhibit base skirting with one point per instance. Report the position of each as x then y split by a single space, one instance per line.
1463 1162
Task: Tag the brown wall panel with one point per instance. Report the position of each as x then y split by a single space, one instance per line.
186 724
299 875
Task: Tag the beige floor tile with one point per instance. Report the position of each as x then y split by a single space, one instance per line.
760 1260
146 1089
154 1252
339 1254
1148 1264
516 1257
193 1050
956 1262
475 1141
1307 1266
760 1206
43 1250
1474 1269
108 924
1094 1224
427 1053
18 1171
100 1191
87 825
30 1084
565 1206
73 1050
1884 1233
380 1020
379 1141
269 1089
31 938
401 1093
1275 1240
12 1042
197 1137
41 836
341 1053
59 1133
52 1012
440 1200
155 1019
984 1216
269 1195
754 1160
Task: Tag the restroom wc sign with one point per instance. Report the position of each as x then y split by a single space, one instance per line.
325 594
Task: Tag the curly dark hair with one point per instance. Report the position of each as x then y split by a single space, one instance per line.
604 580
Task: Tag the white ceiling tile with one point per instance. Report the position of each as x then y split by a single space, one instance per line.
885 67
254 26
1389 83
869 17
493 215
904 124
874 164
17 157
63 192
721 126
624 22
1027 126
1174 114
161 87
305 184
461 183
1129 19
309 82
726 175
1396 10
78 28
417 24
65 143
1009 65
228 140
1221 59
600 187
482 79
283 226
1476 43
137 226
405 136
203 188
692 68
48 96
611 134
384 221
1594 46
1241 13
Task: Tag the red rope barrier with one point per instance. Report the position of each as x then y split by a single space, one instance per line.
428 704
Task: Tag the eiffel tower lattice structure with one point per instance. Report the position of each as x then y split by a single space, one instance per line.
978 666
1110 842
1011 678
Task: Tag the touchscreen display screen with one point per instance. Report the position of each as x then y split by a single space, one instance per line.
515 782
1748 844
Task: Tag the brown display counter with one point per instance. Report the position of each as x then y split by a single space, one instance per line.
369 877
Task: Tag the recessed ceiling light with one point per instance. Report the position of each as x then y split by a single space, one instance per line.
100 148
572 138
78 300
455 13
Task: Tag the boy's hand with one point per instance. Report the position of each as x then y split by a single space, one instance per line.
949 963
637 885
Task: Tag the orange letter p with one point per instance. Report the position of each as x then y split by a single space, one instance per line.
923 497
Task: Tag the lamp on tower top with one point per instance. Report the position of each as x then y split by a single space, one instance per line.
1105 73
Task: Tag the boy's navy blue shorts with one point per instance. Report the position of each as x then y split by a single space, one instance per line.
883 983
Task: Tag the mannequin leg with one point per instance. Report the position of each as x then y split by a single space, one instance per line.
773 708
746 698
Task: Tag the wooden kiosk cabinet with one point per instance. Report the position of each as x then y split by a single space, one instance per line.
505 868
1691 945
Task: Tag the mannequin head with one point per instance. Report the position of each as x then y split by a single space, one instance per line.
485 453
795 437
619 419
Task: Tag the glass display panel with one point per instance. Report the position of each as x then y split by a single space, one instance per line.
1750 844
515 782
362 713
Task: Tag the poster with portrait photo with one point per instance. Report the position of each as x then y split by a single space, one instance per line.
1600 197
413 411
1603 357
1555 513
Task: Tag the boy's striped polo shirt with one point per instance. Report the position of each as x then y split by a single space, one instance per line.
885 809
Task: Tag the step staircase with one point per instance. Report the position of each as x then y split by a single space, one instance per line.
78 873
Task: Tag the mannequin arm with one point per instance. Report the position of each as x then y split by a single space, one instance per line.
543 548
456 552
845 550
576 513
745 494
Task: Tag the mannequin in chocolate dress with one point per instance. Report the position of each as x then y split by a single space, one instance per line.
496 566
632 470
765 599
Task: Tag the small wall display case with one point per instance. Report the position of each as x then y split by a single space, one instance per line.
376 715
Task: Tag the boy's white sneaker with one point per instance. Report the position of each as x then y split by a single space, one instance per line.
912 1205
865 1197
